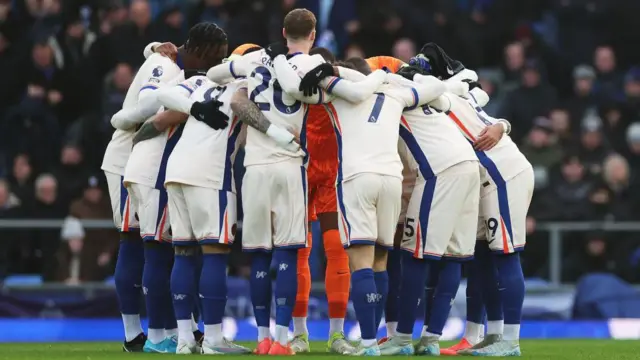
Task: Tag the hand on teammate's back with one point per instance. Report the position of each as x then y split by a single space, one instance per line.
209 113
489 137
275 49
309 83
408 72
167 49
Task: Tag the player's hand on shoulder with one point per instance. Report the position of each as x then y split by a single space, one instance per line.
209 113
309 83
167 49
275 49
408 72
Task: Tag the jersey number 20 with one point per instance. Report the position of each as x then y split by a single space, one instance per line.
265 75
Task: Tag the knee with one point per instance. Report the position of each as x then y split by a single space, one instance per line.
215 249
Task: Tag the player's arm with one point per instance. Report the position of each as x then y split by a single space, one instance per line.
418 92
158 124
354 92
229 70
289 81
251 115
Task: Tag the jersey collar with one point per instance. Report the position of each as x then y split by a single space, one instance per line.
179 61
294 54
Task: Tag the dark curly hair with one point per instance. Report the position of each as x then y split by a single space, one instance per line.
203 37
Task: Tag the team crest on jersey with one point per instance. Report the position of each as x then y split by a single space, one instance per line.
157 72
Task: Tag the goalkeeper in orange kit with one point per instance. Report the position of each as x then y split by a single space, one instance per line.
322 206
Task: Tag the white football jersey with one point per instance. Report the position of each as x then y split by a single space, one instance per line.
147 164
155 72
280 108
367 133
503 161
203 156
434 141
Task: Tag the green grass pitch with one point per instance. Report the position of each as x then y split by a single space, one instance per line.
532 349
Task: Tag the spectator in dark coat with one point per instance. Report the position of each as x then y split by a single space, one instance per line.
71 174
609 80
540 148
128 40
533 98
21 179
10 251
568 195
593 146
632 152
583 97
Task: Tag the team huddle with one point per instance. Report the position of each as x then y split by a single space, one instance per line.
405 172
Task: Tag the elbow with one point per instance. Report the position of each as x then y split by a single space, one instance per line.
117 121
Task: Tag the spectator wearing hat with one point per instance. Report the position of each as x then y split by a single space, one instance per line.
540 148
583 92
593 146
534 97
87 254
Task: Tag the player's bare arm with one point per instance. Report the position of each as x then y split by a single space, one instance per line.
251 115
158 124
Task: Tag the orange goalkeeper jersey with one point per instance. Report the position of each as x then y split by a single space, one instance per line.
391 63
321 141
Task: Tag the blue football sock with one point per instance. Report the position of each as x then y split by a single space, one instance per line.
365 299
488 275
382 285
183 285
260 284
430 290
475 303
394 271
128 274
155 282
213 287
286 284
448 283
511 281
414 278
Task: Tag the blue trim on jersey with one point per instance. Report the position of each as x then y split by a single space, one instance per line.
473 97
222 209
190 90
425 209
339 177
303 174
415 100
227 176
332 85
418 154
362 242
257 250
162 204
168 148
185 243
294 54
377 108
150 87
124 194
501 189
303 135
233 73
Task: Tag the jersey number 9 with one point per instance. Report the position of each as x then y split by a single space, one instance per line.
265 75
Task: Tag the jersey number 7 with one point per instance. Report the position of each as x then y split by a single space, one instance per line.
265 75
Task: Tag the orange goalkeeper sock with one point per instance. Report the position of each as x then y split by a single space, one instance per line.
337 279
304 282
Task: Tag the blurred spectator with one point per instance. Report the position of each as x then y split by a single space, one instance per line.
567 198
593 147
595 255
22 179
45 242
540 148
404 49
514 61
170 25
614 126
612 198
561 124
128 40
116 86
10 250
632 92
633 145
490 81
609 79
89 260
354 50
532 98
583 97
71 174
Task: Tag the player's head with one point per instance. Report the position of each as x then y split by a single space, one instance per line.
205 47
324 52
359 64
386 63
246 49
300 27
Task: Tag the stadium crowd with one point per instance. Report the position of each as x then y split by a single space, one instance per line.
566 74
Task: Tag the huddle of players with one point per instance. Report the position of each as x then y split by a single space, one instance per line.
438 121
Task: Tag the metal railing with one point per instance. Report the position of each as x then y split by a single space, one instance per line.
555 230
